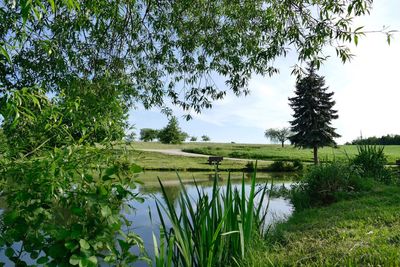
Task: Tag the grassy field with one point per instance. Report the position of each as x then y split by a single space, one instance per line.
362 230
163 162
267 152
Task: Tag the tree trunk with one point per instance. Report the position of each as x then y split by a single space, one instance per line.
315 155
283 143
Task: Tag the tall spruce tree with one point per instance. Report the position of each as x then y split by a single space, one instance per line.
313 113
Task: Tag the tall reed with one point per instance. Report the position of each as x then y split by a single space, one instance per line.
210 229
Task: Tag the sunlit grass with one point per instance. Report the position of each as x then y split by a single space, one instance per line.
275 152
363 230
266 151
159 161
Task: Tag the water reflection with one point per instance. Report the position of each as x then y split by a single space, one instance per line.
145 226
172 185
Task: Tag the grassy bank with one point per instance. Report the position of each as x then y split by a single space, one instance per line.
266 152
363 229
163 162
276 152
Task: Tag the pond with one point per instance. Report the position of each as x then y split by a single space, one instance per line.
142 224
279 208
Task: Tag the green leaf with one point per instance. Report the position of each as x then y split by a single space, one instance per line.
102 191
42 260
10 217
76 231
106 178
77 210
9 252
84 244
136 168
70 245
356 40
139 199
57 250
74 260
110 258
123 244
25 9
83 262
112 170
34 255
3 52
359 28
93 260
106 211
88 178
53 6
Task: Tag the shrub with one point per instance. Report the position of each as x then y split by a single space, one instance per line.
371 161
298 165
65 208
277 166
323 183
285 166
249 166
299 197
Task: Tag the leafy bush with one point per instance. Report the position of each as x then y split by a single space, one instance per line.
286 166
371 161
298 165
33 122
323 183
64 208
277 166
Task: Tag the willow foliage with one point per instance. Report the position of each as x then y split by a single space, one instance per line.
154 50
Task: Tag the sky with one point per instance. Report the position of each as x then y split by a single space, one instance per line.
366 91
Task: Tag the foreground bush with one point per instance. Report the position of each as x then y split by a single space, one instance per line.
64 209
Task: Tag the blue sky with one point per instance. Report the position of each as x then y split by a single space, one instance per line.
367 93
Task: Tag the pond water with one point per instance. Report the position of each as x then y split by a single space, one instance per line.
142 224
279 208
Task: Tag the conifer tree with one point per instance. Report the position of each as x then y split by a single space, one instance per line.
172 133
313 113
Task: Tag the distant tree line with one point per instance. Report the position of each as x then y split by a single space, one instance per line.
389 139
170 134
